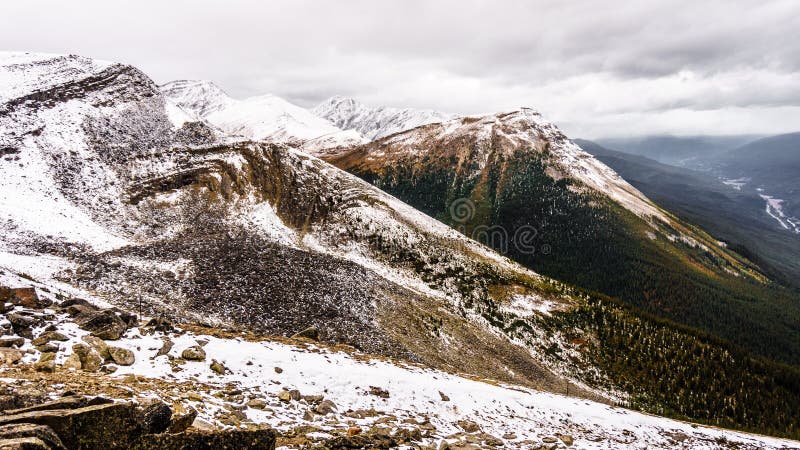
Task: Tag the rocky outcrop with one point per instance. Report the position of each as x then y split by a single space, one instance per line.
112 426
79 423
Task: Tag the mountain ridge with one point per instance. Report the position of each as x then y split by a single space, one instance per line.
374 123
111 199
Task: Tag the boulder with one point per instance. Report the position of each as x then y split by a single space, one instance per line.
378 392
48 348
309 333
26 430
98 344
25 443
468 426
156 416
81 311
194 353
66 402
73 362
165 348
11 341
9 356
46 363
122 356
28 298
325 407
113 426
48 336
257 403
368 440
105 324
566 439
22 324
89 358
256 439
218 367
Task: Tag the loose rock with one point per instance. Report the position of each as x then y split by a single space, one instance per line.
105 324
194 353
122 356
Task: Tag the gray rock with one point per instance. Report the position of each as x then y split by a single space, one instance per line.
325 407
24 443
48 336
89 358
46 363
98 344
105 324
122 356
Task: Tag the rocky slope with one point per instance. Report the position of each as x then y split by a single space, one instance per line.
164 387
375 123
112 195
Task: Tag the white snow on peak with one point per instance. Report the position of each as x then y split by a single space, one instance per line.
374 123
198 97
22 73
264 117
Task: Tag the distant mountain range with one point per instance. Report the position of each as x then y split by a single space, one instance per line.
736 216
374 123
688 151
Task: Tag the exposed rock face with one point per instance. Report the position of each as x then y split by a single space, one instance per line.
112 426
228 440
79 423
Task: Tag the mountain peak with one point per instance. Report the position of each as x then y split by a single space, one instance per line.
374 123
200 97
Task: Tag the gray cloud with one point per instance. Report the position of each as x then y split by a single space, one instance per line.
596 68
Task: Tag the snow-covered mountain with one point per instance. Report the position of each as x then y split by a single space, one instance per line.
265 117
114 193
375 123
101 183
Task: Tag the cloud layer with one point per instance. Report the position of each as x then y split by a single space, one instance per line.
598 69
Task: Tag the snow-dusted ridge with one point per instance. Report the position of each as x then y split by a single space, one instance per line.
265 117
375 123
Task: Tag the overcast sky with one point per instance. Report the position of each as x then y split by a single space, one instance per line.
596 68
